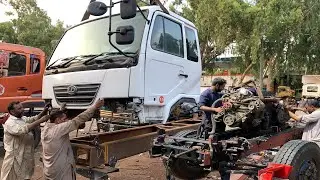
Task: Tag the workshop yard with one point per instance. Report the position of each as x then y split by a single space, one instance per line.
138 167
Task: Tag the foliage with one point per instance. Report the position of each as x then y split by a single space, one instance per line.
283 34
31 26
219 23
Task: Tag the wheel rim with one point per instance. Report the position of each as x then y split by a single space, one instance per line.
308 170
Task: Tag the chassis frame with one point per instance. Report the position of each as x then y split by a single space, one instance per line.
223 155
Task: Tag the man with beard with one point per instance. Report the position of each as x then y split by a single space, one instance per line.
207 98
18 162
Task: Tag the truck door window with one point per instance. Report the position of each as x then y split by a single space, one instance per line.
192 49
35 66
312 89
167 36
17 65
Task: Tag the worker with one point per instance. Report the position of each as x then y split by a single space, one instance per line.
58 160
18 162
207 98
311 130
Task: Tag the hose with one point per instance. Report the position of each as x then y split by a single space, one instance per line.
213 122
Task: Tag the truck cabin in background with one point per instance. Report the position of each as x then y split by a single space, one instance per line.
21 72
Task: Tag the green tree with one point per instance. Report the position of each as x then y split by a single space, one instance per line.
283 34
218 23
7 32
32 26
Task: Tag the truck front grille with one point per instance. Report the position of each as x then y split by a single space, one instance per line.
77 95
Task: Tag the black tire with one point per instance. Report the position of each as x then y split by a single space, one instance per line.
182 168
303 156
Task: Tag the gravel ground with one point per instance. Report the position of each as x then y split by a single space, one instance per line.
139 167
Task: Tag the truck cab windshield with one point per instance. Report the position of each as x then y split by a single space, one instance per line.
91 38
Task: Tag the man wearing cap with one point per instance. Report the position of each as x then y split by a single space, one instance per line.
208 97
311 131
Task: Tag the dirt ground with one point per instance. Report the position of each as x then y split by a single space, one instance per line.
139 167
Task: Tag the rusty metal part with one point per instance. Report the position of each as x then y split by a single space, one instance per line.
102 148
228 150
116 116
277 140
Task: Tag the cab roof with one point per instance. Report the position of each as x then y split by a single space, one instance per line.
152 9
21 48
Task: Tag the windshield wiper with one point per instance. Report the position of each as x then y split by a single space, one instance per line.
118 53
63 59
106 55
70 59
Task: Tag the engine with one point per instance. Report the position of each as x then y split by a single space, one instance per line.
244 109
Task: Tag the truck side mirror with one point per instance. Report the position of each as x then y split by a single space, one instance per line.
97 8
128 9
125 35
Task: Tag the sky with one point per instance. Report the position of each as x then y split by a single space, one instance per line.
69 11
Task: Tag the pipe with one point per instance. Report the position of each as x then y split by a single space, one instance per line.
213 122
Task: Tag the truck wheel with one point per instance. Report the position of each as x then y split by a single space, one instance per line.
185 169
303 156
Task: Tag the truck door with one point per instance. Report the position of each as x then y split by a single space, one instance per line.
35 75
12 79
192 63
164 67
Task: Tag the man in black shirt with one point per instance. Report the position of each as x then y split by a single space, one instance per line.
208 97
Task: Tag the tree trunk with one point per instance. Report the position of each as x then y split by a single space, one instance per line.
245 72
269 82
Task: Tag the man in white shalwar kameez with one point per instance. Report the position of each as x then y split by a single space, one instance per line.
18 162
58 160
311 121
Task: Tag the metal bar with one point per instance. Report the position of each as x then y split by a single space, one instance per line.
189 139
122 143
186 152
275 140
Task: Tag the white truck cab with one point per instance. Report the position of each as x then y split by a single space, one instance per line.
151 66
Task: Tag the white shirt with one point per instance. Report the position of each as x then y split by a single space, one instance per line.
18 143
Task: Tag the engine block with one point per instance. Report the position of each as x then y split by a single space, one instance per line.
244 109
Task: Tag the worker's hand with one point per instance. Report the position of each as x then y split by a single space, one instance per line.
99 103
289 108
63 106
218 110
227 105
47 106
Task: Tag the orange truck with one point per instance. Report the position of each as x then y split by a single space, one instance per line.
21 72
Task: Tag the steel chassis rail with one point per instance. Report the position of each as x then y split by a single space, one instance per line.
106 148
